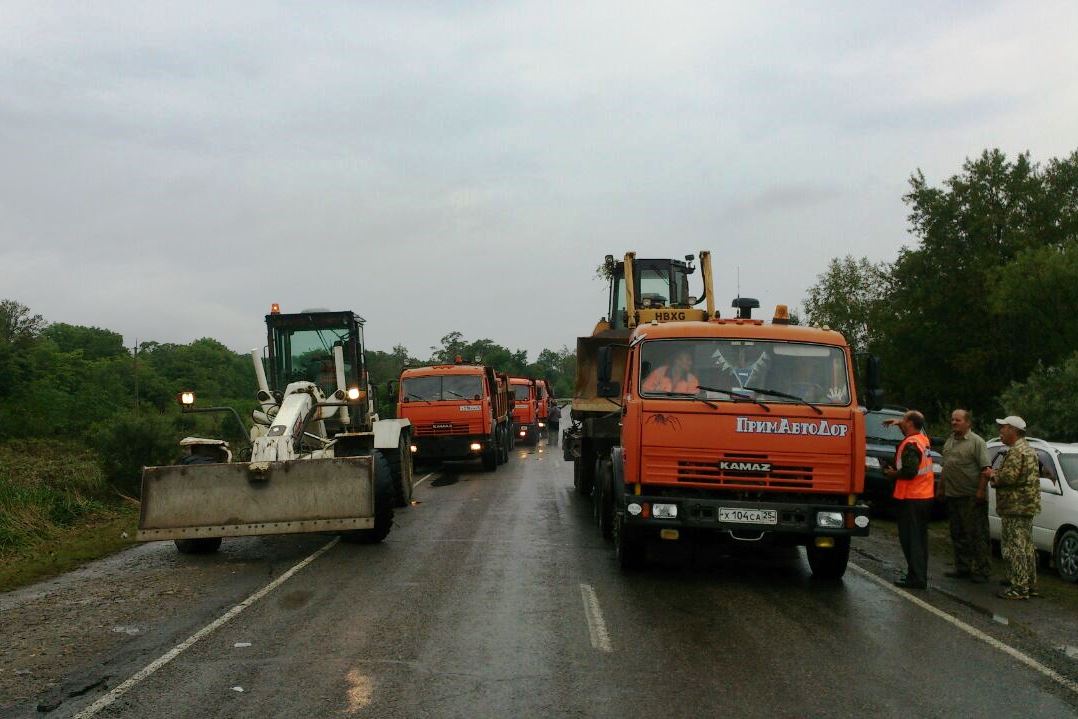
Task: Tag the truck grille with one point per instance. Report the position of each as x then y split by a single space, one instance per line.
746 470
424 429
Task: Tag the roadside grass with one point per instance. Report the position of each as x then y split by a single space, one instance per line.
57 511
1049 584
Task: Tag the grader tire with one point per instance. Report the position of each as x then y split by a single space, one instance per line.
384 497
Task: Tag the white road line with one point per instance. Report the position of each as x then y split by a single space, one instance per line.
596 626
164 659
972 631
423 479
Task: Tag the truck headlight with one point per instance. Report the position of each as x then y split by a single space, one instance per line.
664 511
830 520
475 446
937 467
872 462
634 508
542 424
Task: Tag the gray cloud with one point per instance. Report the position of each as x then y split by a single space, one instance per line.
170 170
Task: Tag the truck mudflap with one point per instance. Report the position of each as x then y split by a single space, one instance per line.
743 520
241 499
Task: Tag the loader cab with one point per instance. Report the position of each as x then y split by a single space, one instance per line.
301 348
660 290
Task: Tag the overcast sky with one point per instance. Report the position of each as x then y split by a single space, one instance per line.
169 170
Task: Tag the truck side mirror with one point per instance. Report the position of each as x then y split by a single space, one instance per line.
391 387
873 390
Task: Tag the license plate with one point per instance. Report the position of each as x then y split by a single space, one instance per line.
748 516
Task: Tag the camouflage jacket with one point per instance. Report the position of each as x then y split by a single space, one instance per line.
1017 482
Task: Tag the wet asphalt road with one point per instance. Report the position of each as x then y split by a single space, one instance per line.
478 605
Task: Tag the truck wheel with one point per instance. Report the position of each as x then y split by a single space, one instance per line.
383 505
504 445
202 545
604 498
400 469
490 459
629 548
583 475
829 563
1066 555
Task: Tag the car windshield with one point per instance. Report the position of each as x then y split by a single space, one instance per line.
441 387
732 370
1069 463
876 429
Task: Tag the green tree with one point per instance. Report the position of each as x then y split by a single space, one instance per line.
847 297
946 342
1047 400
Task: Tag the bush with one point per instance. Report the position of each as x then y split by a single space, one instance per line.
45 485
128 442
1047 401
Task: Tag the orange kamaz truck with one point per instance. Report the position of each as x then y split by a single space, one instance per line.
458 411
695 427
525 409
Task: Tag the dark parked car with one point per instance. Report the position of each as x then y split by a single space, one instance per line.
881 441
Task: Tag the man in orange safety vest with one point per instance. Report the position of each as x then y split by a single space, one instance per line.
914 490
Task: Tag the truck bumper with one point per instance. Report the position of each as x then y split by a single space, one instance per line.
441 448
746 521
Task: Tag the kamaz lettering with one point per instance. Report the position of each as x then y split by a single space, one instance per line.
818 428
746 466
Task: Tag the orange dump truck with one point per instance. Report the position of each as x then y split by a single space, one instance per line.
738 430
691 427
457 411
525 409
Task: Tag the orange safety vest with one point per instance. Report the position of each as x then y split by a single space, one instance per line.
660 381
923 485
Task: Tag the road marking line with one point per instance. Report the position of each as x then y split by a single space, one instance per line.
972 631
600 639
423 479
164 659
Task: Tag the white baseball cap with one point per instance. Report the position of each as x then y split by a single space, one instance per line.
1014 421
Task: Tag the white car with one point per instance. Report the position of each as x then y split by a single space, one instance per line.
1055 529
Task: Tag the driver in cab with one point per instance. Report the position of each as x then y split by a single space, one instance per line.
675 376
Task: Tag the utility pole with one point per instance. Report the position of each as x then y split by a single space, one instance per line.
136 377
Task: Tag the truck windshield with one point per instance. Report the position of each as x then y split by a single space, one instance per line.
439 388
521 391
810 372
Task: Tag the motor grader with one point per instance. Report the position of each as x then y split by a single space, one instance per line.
318 459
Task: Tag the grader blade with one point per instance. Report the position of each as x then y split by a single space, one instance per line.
240 499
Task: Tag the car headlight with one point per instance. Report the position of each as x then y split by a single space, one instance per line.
872 462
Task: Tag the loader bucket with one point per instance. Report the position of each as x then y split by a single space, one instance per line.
587 350
240 499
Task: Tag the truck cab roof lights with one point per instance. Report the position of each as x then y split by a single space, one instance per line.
275 309
782 315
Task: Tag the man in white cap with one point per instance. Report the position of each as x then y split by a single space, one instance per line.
1018 499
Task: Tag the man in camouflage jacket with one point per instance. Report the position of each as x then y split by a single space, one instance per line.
1018 499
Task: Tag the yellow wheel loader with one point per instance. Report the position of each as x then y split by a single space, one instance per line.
319 459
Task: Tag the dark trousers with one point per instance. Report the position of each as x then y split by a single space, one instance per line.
913 516
969 534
